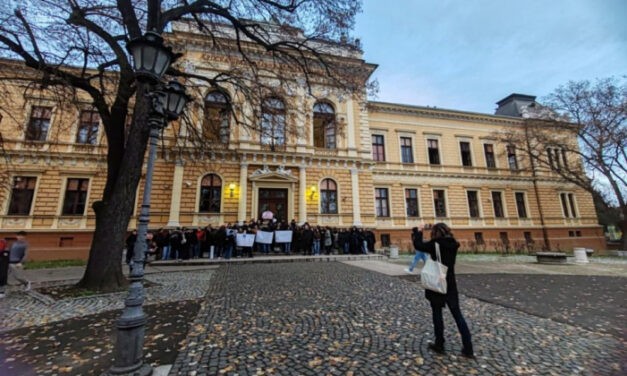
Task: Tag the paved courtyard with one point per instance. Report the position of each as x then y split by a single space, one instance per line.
353 317
336 319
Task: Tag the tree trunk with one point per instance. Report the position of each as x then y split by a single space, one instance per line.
623 228
104 268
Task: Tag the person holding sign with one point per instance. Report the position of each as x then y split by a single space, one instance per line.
267 214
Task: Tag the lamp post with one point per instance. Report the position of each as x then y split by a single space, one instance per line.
150 60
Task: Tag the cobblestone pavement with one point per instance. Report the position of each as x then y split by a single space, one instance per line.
334 319
597 303
20 309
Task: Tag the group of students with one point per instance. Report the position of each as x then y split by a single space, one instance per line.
220 242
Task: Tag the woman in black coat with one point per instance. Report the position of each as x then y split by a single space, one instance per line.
441 234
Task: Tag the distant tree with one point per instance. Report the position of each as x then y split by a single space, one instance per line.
580 133
76 50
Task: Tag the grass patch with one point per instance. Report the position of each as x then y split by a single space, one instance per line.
49 264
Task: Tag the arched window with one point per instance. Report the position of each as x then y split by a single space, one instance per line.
217 117
210 194
328 197
324 125
273 122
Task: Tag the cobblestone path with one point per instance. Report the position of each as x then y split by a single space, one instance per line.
334 319
20 310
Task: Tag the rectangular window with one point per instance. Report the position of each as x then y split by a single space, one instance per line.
497 204
22 194
520 204
511 157
411 202
378 148
488 150
571 201
75 196
434 152
564 159
407 154
381 202
473 204
568 205
38 124
555 157
479 238
439 203
563 200
464 148
88 128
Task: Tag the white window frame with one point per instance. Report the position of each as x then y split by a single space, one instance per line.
525 203
417 198
446 202
503 203
480 207
62 194
473 160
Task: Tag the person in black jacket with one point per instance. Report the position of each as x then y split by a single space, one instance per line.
441 234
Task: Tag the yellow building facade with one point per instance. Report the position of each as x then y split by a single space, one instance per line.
348 162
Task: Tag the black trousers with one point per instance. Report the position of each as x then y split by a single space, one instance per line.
438 324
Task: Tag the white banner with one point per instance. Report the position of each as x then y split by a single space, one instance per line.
264 237
283 236
245 240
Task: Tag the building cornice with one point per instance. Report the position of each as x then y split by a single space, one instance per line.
439 113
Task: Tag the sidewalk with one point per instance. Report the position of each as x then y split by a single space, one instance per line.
68 275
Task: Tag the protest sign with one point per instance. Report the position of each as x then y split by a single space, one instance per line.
245 240
283 236
264 237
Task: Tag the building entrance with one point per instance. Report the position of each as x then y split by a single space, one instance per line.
275 200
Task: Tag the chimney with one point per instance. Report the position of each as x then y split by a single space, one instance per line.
513 104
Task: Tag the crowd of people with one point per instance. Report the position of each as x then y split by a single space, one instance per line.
220 242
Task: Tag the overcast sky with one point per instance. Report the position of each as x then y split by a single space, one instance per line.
467 55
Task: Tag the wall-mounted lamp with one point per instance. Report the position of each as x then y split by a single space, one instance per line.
231 189
313 191
188 183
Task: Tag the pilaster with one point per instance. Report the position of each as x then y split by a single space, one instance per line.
175 201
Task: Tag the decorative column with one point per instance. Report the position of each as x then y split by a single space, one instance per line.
355 189
243 188
175 201
302 191
350 127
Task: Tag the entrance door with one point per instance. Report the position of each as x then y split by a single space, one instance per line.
274 199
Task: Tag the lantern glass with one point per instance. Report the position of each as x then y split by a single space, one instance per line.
150 57
162 62
176 99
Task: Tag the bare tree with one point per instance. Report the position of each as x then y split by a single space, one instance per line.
76 49
580 134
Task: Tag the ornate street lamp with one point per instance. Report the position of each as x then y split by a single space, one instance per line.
150 57
168 102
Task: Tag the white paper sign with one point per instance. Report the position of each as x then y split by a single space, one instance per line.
264 237
283 236
245 240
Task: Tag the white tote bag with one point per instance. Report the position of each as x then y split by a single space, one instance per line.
433 274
